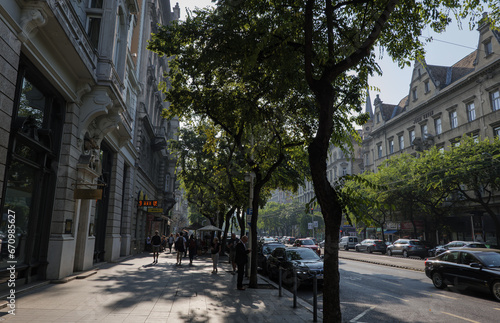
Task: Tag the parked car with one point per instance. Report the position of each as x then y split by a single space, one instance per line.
458 244
430 248
290 240
263 253
305 262
407 248
475 268
348 242
307 243
371 245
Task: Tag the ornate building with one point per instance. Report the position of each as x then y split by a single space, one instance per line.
443 104
81 137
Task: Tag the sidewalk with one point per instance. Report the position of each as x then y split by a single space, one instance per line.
135 290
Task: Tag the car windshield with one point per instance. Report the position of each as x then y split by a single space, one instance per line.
307 242
302 254
489 259
268 248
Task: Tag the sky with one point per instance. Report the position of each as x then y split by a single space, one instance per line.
446 49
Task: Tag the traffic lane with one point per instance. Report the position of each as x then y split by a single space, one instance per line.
374 293
413 263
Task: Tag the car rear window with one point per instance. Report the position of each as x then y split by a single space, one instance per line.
416 243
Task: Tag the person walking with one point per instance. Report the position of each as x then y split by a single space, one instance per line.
192 249
170 242
232 251
180 245
215 254
156 242
241 259
186 238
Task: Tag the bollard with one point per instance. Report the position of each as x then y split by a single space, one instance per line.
294 289
279 279
315 298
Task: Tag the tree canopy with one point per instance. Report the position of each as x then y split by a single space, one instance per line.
293 74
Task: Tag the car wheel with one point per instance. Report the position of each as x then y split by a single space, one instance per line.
495 289
389 252
405 253
369 250
438 282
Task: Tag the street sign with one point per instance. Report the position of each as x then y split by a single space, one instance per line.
152 203
155 210
309 225
315 223
249 211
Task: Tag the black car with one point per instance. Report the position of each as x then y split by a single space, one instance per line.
407 248
475 268
263 253
303 261
458 244
371 245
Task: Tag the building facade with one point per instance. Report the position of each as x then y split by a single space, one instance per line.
81 137
443 104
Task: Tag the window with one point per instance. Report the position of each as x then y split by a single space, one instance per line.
379 150
412 136
488 48
414 94
423 129
471 111
367 159
427 88
378 117
437 125
495 100
453 119
391 146
401 140
496 132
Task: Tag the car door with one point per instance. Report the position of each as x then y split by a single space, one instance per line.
471 276
449 267
398 247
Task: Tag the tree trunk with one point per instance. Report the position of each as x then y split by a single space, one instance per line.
332 214
253 233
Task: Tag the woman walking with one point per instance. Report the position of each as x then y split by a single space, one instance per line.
215 254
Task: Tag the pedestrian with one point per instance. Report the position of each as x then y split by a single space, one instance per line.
180 245
170 242
192 249
163 243
148 243
156 242
241 259
186 238
215 254
232 251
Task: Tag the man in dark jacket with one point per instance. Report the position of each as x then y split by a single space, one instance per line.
241 259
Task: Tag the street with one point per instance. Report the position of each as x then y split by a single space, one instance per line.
381 293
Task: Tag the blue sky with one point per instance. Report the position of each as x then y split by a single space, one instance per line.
447 49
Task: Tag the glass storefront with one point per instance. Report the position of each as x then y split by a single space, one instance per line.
30 175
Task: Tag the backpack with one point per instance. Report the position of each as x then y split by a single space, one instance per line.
179 244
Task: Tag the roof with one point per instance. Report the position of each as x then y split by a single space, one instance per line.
446 75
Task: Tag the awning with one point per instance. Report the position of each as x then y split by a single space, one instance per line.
390 231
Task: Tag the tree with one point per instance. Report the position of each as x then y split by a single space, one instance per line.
471 170
298 69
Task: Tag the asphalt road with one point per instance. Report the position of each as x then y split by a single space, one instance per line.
370 292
